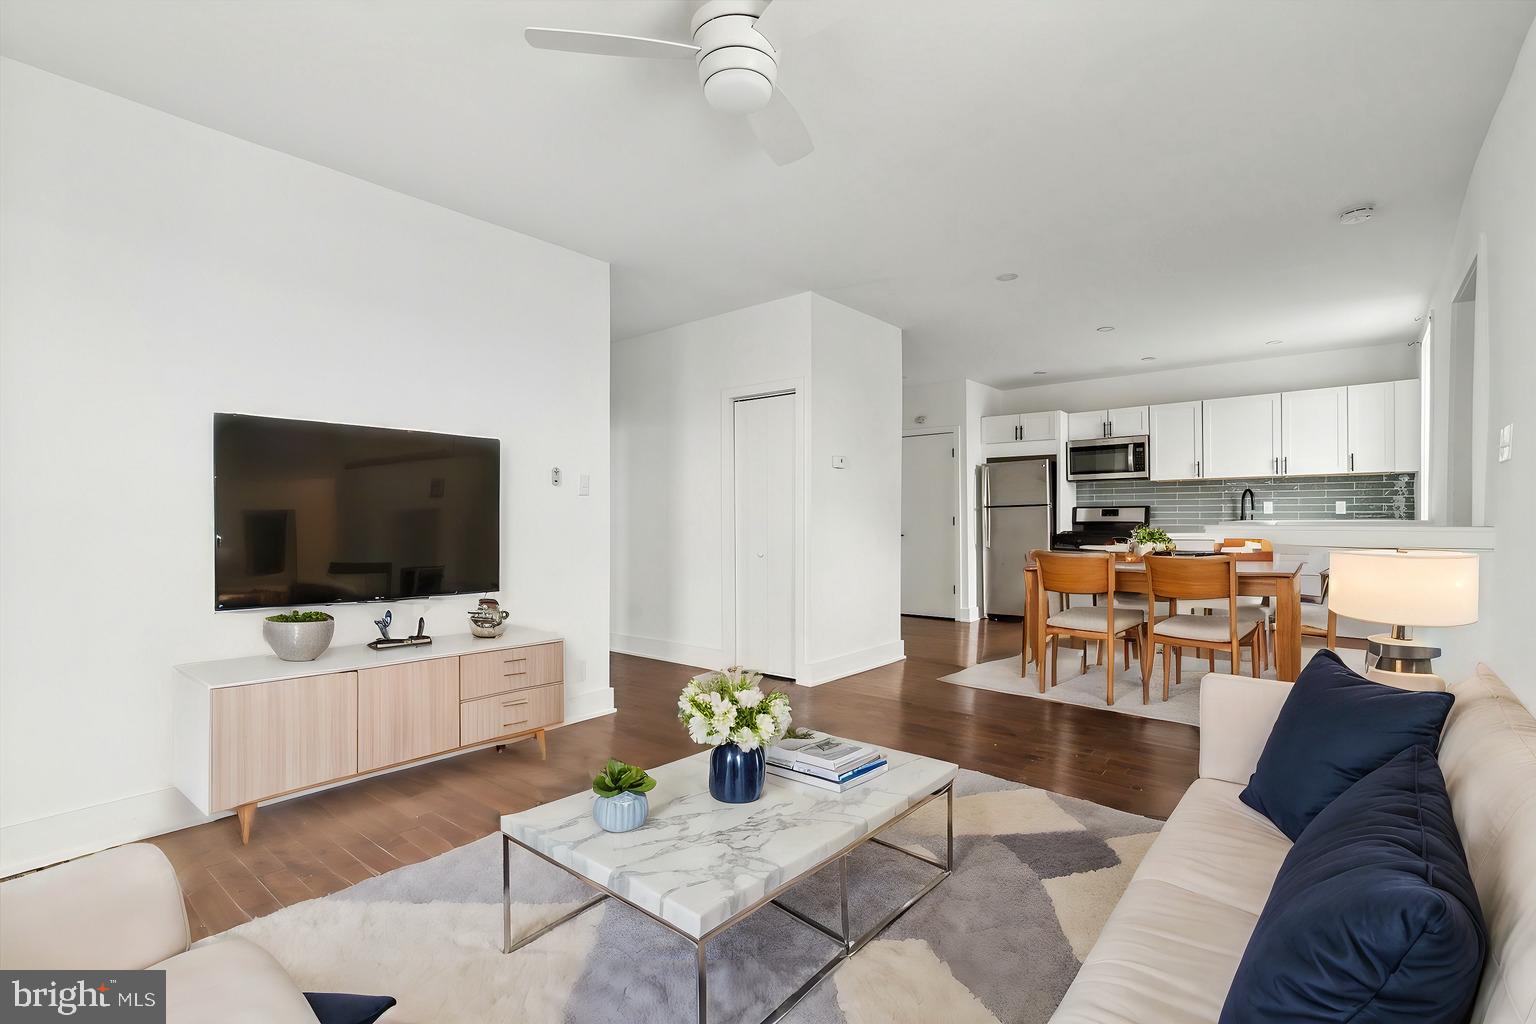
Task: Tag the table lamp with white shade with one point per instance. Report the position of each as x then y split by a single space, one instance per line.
1404 589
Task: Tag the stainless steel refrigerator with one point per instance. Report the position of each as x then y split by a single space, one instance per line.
1016 517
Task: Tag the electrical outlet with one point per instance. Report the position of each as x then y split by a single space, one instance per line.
1269 508
839 462
1339 508
1506 441
584 486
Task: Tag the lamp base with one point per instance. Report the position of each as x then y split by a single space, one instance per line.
1392 653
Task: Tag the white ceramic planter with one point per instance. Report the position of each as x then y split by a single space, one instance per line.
298 641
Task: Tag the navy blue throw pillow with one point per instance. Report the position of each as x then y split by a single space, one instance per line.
341 1008
1336 727
1373 917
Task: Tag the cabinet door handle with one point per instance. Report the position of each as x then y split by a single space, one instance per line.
1197 467
1351 462
1285 464
1277 463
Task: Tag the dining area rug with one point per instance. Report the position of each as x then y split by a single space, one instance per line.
1086 689
1036 874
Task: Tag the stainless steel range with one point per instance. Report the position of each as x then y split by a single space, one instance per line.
1101 524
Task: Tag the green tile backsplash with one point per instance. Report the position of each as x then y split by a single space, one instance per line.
1197 503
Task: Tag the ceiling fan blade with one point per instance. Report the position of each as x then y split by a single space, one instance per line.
607 44
796 19
780 131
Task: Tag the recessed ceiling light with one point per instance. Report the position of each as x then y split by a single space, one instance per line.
1358 215
1103 329
1007 277
1148 359
1277 341
1040 373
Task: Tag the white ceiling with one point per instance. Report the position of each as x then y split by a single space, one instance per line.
1174 168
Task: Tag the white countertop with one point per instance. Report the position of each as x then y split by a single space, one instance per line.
264 668
697 862
1359 533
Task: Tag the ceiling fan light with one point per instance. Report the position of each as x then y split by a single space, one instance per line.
738 91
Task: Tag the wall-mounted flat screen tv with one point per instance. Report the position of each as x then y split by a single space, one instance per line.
319 513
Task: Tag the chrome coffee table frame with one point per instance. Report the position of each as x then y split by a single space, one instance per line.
850 945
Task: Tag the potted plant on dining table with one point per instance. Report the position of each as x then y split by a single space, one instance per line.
729 711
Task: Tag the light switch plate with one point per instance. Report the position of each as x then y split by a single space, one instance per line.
1269 508
584 485
839 462
1340 508
1506 441
554 476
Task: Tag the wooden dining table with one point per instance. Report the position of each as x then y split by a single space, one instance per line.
1276 578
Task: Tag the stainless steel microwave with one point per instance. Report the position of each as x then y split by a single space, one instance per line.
1108 458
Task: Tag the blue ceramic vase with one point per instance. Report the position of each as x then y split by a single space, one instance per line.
620 813
736 775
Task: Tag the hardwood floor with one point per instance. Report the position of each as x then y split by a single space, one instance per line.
315 845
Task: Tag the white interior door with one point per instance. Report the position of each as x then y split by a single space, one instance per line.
765 534
928 523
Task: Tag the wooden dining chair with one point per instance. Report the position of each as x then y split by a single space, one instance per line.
1172 579
1094 575
1317 619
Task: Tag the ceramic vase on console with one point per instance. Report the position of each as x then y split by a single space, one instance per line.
621 813
736 776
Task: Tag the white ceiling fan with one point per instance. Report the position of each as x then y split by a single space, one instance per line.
738 66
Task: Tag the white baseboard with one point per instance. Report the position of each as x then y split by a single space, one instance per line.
592 704
59 837
967 614
818 672
667 650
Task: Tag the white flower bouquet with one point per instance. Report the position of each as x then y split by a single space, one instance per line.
730 707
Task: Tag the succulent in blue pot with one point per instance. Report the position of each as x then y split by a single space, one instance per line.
621 804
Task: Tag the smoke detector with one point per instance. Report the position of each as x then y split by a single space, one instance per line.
1359 215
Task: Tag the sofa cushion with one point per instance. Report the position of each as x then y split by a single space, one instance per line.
1488 755
233 982
1215 846
1165 955
1373 916
345 1008
1335 728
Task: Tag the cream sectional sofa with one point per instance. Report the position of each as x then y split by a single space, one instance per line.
1169 950
123 910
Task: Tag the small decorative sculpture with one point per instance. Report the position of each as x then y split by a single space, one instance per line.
383 624
488 620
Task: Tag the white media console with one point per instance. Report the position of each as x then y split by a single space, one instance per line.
253 729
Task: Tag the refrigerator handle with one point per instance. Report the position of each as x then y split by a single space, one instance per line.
986 528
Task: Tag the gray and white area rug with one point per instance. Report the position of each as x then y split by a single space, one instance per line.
1036 875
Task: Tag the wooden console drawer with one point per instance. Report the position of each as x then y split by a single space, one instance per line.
509 713
515 668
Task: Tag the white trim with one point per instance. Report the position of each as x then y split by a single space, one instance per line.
667 650
852 663
957 568
966 614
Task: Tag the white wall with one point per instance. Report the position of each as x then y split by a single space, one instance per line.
155 272
1329 368
1497 227
853 598
673 587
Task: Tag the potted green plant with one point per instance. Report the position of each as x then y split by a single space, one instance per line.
621 803
729 711
298 636
1150 538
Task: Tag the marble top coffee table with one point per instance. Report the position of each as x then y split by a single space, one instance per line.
699 866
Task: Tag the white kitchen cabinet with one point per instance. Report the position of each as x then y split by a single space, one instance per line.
1406 425
1241 436
1084 426
997 429
1316 431
1128 422
1372 427
1176 441
1029 426
1038 426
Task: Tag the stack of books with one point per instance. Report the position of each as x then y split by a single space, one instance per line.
826 762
